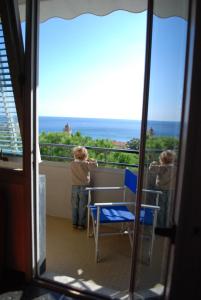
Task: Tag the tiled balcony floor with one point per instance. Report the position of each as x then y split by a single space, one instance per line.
70 259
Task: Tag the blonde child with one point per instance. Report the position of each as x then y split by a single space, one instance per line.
80 173
165 181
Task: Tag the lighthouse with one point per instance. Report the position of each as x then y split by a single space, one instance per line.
67 129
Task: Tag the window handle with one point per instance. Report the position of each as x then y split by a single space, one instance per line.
169 232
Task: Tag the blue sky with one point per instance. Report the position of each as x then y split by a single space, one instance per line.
93 66
167 69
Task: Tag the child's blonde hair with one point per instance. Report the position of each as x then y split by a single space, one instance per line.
80 153
167 157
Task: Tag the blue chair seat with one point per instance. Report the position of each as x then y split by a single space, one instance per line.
113 214
121 213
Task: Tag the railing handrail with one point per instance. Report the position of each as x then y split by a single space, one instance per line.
91 147
101 149
127 150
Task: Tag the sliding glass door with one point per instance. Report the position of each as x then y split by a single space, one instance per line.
160 141
159 157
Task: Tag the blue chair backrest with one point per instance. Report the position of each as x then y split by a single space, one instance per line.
130 180
146 216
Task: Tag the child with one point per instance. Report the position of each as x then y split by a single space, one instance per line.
165 181
80 171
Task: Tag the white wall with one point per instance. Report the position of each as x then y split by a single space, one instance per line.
58 186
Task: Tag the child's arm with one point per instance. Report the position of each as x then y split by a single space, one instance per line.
92 163
154 167
91 160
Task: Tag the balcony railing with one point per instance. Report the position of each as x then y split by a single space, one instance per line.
55 152
50 151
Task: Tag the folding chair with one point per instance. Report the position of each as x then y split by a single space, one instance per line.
119 212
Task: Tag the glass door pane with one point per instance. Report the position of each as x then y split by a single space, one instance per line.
163 124
91 71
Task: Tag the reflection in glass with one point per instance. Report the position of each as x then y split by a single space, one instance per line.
161 151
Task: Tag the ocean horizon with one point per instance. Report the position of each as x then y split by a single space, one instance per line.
114 129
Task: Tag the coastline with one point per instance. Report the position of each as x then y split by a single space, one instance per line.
119 144
116 130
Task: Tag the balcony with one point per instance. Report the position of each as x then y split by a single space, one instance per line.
70 254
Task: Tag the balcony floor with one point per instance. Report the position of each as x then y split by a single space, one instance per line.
70 260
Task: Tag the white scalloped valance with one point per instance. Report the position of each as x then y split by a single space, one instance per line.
69 9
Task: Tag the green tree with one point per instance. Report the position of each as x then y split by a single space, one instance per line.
57 152
133 144
155 145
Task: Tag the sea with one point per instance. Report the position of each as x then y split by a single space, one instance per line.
113 129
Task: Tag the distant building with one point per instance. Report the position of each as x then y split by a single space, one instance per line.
150 132
67 129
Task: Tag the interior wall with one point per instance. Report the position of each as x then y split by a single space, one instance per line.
2 234
14 227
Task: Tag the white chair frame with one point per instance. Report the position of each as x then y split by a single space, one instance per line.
96 223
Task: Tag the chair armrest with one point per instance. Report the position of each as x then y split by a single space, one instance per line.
113 188
150 206
113 203
106 188
152 191
126 203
